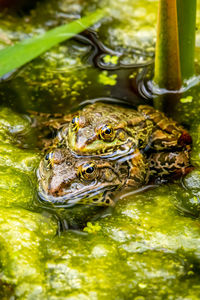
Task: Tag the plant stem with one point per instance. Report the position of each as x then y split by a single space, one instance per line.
167 62
186 10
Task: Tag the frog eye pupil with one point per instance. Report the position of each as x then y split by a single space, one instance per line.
90 170
47 156
87 171
108 131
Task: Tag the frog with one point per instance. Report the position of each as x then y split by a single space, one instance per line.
66 180
147 149
102 129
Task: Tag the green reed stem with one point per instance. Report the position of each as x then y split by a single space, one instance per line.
167 62
187 25
175 47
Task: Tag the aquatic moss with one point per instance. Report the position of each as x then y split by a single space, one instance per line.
22 237
145 249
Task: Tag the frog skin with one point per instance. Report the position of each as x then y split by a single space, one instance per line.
48 126
169 165
167 133
109 130
66 180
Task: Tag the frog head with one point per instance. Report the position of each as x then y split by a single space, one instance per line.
65 180
104 129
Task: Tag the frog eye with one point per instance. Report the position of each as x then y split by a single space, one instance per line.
106 133
87 171
49 158
75 123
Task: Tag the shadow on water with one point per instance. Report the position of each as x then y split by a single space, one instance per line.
20 6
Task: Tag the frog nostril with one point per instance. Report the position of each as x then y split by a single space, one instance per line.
56 192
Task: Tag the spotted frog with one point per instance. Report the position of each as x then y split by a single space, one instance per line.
109 130
66 180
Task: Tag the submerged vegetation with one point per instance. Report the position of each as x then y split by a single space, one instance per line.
15 56
148 248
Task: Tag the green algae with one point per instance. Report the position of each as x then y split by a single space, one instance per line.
12 126
106 79
16 188
149 247
146 249
22 238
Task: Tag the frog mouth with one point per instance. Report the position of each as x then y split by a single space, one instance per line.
112 153
72 199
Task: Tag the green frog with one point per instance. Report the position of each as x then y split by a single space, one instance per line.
109 130
66 180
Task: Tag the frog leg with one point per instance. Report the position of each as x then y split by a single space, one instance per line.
173 164
47 125
168 133
54 121
138 167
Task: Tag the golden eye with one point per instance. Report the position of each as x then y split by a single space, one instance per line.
87 171
106 133
49 158
75 123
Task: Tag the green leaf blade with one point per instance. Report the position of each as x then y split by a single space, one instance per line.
23 52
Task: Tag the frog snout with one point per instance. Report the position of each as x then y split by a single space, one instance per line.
56 187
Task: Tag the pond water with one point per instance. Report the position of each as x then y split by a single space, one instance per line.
149 247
